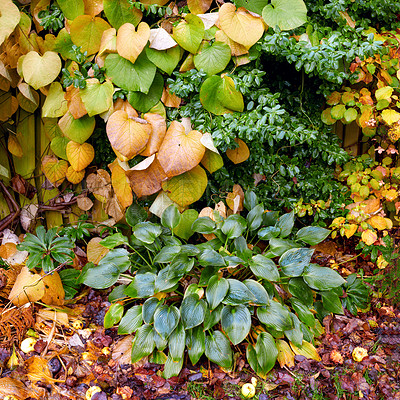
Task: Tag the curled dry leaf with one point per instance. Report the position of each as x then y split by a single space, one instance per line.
161 203
123 105
37 369
75 103
115 209
158 131
160 39
54 291
84 203
122 350
28 215
99 184
121 186
285 354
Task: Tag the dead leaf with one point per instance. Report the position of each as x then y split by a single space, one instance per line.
84 203
54 291
158 131
95 251
100 185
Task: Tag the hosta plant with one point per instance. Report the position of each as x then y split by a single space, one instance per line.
252 282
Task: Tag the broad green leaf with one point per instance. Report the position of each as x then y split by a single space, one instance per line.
203 225
286 14
180 265
350 115
71 8
212 59
216 291
279 246
141 286
285 224
322 278
97 97
298 288
255 217
119 12
143 343
259 292
189 33
293 261
275 316
171 217
184 228
295 335
119 257
135 214
268 232
161 343
113 315
312 235
112 241
326 117
384 93
147 232
172 367
143 102
210 257
252 5
337 112
195 342
236 323
148 309
164 282
212 161
250 200
59 146
78 130
264 268
193 311
136 77
304 313
167 254
234 226
177 342
251 357
331 302
212 317
101 277
166 319
166 60
131 321
218 350
238 294
266 351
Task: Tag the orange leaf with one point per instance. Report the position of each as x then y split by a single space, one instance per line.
130 43
54 292
170 99
159 128
240 154
7 250
95 251
54 169
79 155
75 103
125 106
14 146
74 176
121 186
234 200
369 237
237 49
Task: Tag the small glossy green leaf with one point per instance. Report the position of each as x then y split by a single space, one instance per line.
149 307
331 302
131 321
117 239
210 257
180 265
184 228
259 292
285 224
279 246
171 217
203 225
298 288
141 286
268 232
163 282
212 317
304 313
135 214
234 226
216 291
147 232
101 277
255 217
295 335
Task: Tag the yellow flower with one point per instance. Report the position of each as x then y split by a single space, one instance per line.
381 262
359 353
248 390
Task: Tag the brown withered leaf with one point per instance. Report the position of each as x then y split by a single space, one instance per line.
99 184
158 131
75 103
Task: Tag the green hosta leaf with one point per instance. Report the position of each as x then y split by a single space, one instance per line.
171 217
163 282
131 321
143 343
210 257
279 246
141 286
149 308
293 261
312 235
147 232
331 302
158 357
266 351
167 254
322 278
117 239
161 343
268 232
236 323
177 342
184 228
234 226
119 257
285 224
166 60
136 77
113 315
286 14
212 59
304 313
238 294
212 317
172 367
193 311
135 214
251 356
216 291
189 33
298 288
180 265
203 225
275 316
259 292
190 250
218 350
264 268
101 277
295 335
195 342
166 320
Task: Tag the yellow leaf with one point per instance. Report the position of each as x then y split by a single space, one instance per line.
121 186
14 387
95 251
350 230
14 146
28 98
234 199
7 250
306 350
55 104
377 222
93 7
9 18
158 130
54 292
187 188
199 6
384 93
381 262
240 154
74 176
369 237
37 370
170 99
212 161
108 42
54 169
390 194
285 354
180 152
130 43
146 177
39 70
79 155
8 106
27 288
75 104
128 135
240 25
237 49
390 116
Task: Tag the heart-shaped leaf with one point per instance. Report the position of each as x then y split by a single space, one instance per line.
189 33
158 131
237 49
180 152
9 105
184 228
286 14
128 135
213 59
390 116
130 43
119 12
72 8
86 32
236 323
160 39
79 155
199 6
166 320
121 186
74 176
212 161
55 104
136 77
59 146
166 60
97 97
187 188
75 103
78 130
9 19
28 98
240 25
240 153
252 5
39 71
54 169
